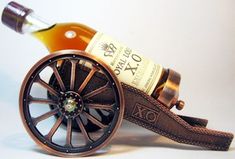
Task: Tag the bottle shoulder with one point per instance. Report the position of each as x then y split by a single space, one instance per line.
73 26
66 36
59 29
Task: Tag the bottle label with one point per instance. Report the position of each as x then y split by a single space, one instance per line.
129 67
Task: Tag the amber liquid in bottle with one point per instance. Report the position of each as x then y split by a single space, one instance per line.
77 36
66 36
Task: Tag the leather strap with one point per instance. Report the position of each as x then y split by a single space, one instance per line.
147 112
194 121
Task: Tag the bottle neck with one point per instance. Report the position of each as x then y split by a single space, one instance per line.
22 19
34 23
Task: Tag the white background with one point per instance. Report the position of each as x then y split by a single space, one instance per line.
193 37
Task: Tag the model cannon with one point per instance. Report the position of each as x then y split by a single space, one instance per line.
89 103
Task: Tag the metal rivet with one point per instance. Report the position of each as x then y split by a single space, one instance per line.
90 147
109 131
180 104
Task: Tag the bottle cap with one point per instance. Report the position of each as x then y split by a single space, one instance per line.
14 15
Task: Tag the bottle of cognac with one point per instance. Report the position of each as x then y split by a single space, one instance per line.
129 66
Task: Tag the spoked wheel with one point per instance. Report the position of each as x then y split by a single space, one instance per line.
98 90
82 71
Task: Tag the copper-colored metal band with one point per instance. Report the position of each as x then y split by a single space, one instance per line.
170 92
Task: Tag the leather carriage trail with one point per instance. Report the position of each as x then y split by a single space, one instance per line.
147 112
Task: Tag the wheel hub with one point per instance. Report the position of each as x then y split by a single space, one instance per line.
71 104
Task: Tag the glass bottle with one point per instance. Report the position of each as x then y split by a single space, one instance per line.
129 66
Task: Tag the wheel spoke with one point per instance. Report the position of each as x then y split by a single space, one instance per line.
46 86
83 130
58 77
95 92
95 121
45 116
73 74
54 128
69 133
41 101
88 78
99 106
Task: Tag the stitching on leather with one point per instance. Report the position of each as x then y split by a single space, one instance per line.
198 130
175 138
